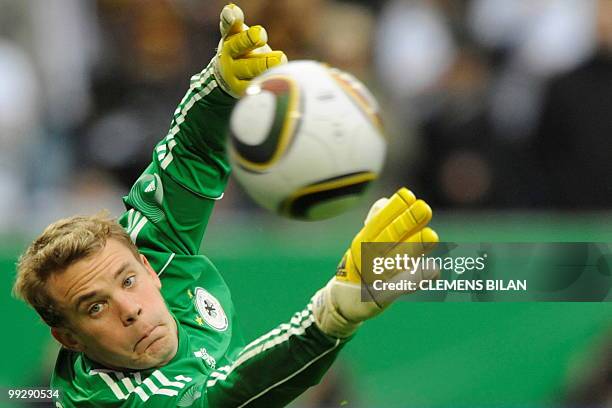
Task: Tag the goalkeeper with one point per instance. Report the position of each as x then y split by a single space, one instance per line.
143 318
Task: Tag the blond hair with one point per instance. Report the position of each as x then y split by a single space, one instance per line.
61 244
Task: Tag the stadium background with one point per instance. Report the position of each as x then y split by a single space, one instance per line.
497 112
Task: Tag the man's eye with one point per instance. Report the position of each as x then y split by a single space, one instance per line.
129 282
95 309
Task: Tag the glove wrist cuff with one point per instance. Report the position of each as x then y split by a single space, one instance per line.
327 317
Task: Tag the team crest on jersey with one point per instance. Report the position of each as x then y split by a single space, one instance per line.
210 309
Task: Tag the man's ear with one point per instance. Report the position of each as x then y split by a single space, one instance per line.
149 269
66 338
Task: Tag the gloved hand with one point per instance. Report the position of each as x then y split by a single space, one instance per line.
243 52
338 307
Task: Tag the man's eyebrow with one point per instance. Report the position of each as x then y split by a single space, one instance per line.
121 269
85 297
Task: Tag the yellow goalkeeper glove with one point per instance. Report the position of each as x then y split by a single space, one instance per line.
338 307
243 52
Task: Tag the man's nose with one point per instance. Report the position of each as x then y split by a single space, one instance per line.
129 308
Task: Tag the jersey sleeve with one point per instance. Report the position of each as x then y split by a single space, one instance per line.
276 368
168 207
271 371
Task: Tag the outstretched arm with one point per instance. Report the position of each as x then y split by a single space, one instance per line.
277 367
170 204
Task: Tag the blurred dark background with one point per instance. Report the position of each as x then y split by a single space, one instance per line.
489 104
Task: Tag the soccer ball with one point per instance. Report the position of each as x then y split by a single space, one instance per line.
306 140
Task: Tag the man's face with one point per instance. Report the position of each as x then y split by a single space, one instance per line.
114 309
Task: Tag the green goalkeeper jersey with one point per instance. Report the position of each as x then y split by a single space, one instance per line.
167 212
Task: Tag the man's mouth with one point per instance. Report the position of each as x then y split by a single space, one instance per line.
149 337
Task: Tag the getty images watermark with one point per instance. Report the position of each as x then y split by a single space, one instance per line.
488 272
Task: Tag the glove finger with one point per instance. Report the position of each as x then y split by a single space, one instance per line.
423 242
375 209
426 241
406 224
253 65
261 50
245 41
395 206
231 20
419 245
